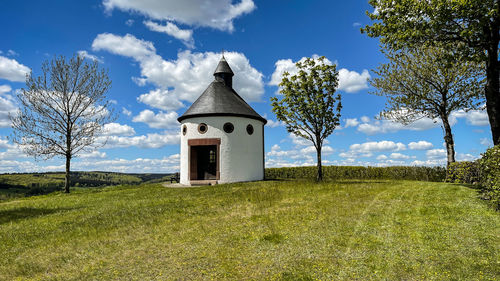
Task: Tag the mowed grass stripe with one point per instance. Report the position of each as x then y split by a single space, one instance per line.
272 230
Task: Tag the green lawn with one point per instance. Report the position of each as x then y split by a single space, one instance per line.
273 230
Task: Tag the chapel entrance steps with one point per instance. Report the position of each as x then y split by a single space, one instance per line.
203 182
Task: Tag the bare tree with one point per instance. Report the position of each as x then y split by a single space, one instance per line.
63 110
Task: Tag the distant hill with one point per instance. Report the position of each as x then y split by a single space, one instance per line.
28 184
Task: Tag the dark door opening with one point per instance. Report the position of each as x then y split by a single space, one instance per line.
204 162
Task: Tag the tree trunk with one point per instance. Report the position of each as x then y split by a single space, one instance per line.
67 181
448 139
492 92
320 167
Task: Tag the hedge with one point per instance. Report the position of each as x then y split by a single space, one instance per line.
484 172
359 172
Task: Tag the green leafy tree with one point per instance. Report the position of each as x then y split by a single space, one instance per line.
309 106
472 26
63 110
428 82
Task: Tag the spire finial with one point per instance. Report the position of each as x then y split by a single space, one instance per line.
223 54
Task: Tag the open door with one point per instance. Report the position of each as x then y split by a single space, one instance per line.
204 159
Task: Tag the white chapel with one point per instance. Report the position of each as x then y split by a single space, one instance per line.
222 137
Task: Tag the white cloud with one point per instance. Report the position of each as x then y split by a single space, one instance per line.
466 157
144 141
185 35
436 154
217 14
377 146
365 119
397 155
7 106
189 75
92 155
85 54
126 111
115 129
351 122
420 145
11 70
161 99
382 157
473 117
273 124
349 81
166 164
352 81
159 121
129 22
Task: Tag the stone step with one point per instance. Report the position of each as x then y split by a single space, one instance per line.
203 182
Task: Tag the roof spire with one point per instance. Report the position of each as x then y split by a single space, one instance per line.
223 72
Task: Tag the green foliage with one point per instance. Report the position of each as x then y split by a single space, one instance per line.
309 106
468 172
468 27
490 174
359 172
467 24
348 230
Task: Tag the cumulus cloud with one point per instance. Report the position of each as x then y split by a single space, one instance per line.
420 145
185 35
7 106
13 71
186 77
168 164
397 155
143 141
217 14
353 122
160 120
273 124
92 155
349 81
377 146
116 129
352 81
436 154
161 99
473 117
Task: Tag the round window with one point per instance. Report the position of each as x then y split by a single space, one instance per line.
202 128
184 130
228 127
250 129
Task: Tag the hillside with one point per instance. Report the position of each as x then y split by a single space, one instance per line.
271 230
28 184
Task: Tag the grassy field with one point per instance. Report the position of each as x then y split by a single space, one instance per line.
273 230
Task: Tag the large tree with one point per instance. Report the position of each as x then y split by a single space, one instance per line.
472 26
63 110
428 82
309 107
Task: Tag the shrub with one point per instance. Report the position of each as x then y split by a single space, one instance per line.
359 172
490 175
468 172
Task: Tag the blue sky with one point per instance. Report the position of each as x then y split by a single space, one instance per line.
161 55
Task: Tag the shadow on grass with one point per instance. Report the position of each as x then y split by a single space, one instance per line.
12 215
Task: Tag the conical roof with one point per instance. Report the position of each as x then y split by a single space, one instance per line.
223 67
220 100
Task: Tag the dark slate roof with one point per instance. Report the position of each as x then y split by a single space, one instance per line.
220 100
223 67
